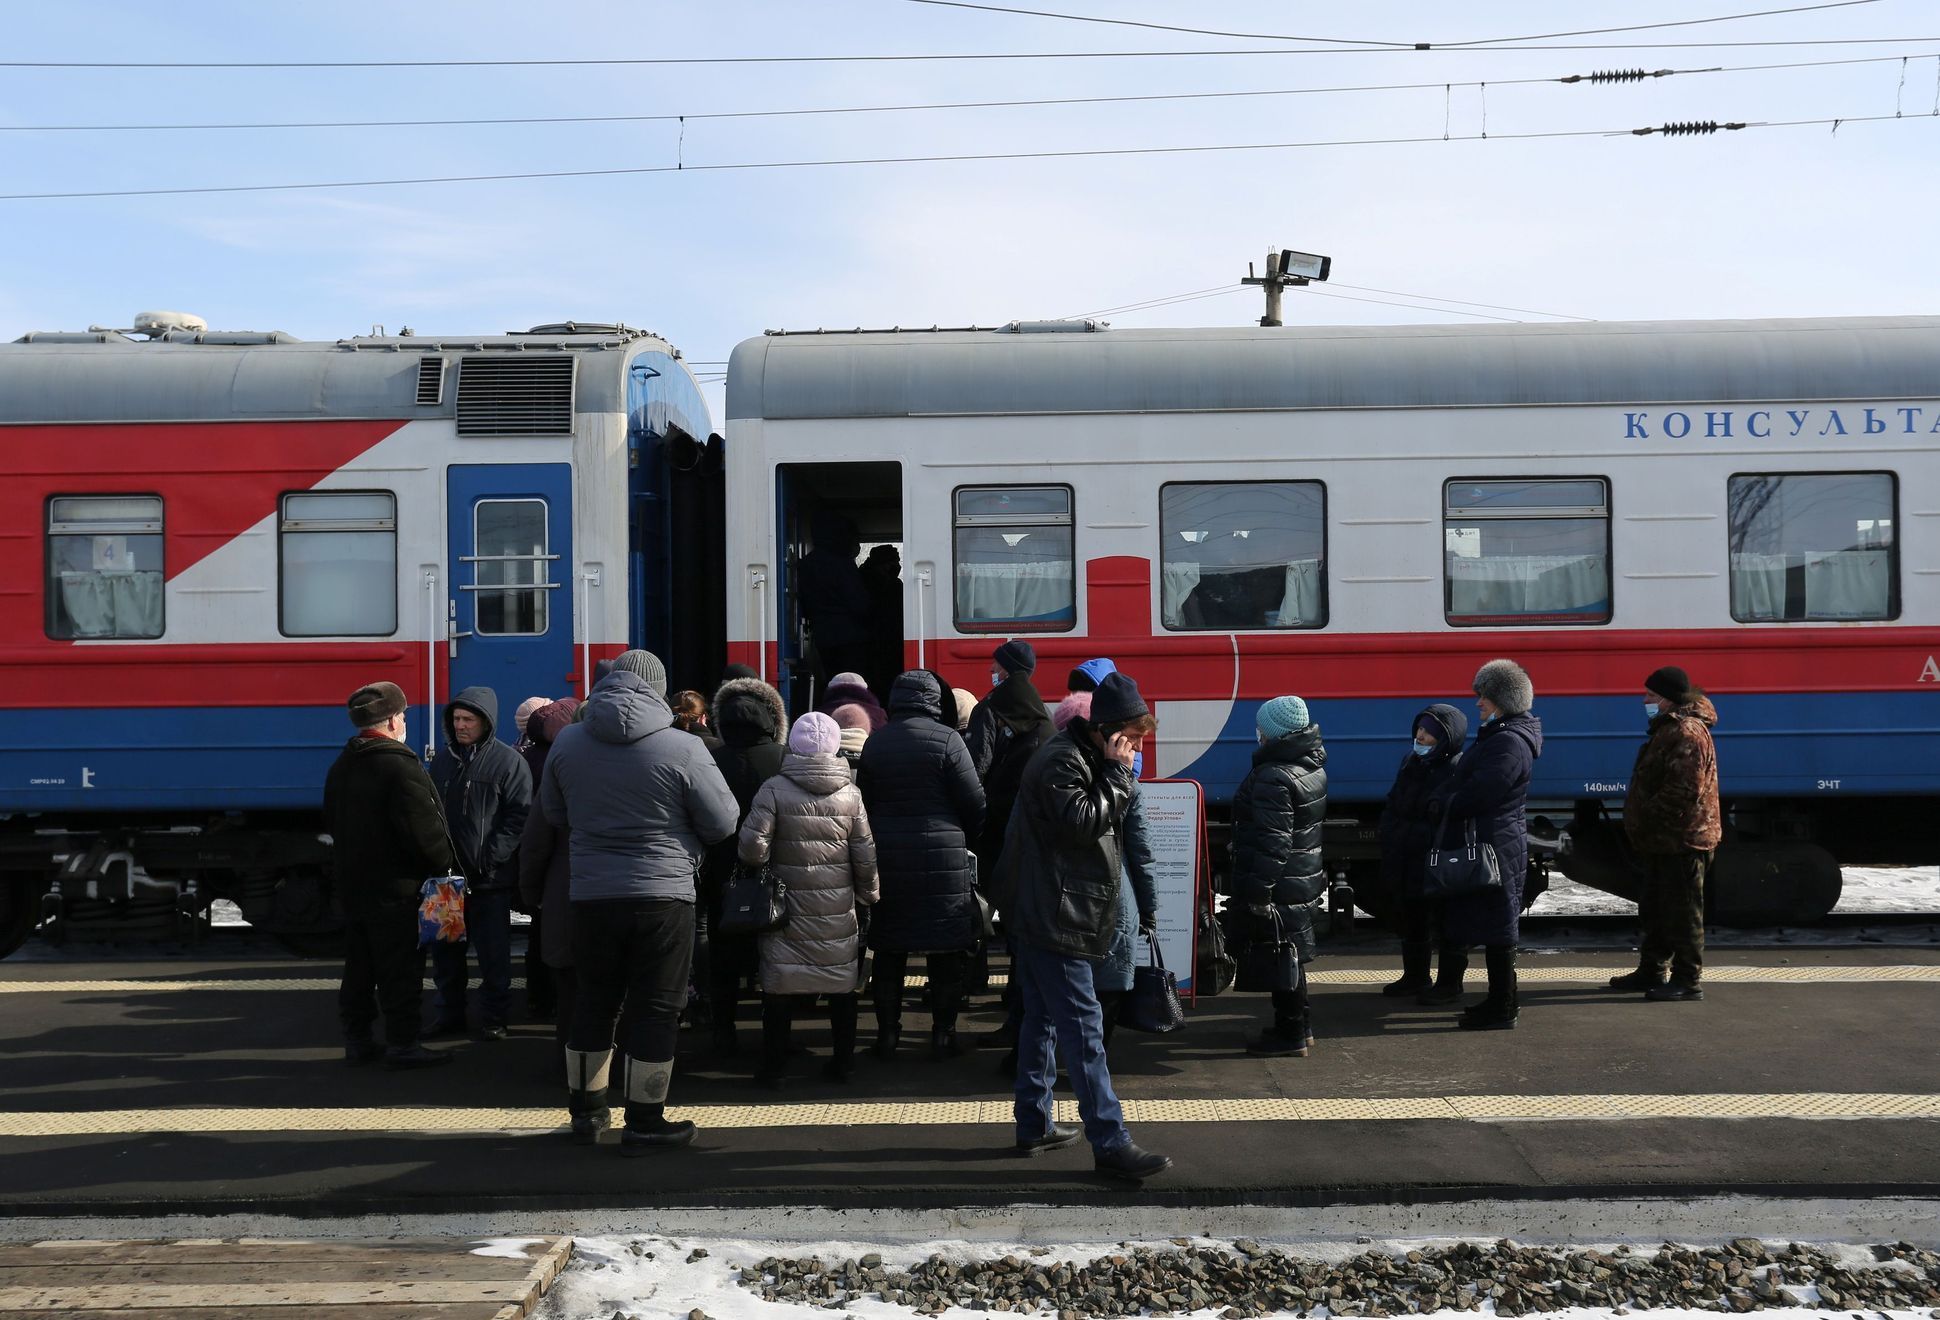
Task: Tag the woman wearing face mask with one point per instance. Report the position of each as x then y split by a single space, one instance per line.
1407 832
1489 787
1277 815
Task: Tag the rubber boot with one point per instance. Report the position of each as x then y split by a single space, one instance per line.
1499 1011
587 1074
1415 980
647 1128
1448 980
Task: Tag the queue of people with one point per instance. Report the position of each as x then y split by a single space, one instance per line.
905 827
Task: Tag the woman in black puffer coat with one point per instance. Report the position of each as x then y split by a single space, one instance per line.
925 805
1407 832
1277 869
750 720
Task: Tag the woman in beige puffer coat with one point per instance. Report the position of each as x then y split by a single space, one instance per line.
808 823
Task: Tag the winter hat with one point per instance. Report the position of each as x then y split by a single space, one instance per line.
815 734
966 705
1672 684
1281 716
733 672
851 716
374 703
1117 701
1087 676
1077 706
526 708
643 664
847 679
1016 657
1507 685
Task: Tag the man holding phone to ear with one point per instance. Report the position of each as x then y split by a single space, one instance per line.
1061 865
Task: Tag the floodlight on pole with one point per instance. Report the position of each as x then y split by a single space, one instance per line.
1286 267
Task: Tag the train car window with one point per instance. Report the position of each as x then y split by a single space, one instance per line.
1526 551
1809 546
104 566
338 564
1241 555
1016 561
513 567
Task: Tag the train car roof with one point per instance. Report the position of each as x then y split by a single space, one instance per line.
1069 368
105 376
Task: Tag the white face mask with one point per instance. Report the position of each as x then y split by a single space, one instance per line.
996 678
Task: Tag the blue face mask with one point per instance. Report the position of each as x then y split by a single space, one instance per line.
1424 749
1650 710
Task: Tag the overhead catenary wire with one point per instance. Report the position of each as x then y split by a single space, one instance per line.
1595 78
624 61
932 159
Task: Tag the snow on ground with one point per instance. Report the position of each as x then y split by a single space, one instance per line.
1868 890
634 1278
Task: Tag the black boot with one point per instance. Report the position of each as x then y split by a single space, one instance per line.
1499 1011
587 1074
1642 981
1448 980
777 1022
1415 980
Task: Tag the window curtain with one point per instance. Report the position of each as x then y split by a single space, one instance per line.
1757 586
1528 584
1300 600
113 604
1847 584
1014 592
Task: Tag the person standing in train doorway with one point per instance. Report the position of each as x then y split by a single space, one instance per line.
487 791
1671 817
1062 871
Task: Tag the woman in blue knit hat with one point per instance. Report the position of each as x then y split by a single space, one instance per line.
1277 878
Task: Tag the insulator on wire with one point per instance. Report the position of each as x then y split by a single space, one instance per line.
1617 75
1686 128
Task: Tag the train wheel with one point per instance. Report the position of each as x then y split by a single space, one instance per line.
19 910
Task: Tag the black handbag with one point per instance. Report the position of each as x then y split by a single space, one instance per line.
1470 868
753 901
1267 959
1153 1004
1216 968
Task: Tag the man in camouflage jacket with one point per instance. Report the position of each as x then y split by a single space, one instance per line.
1671 817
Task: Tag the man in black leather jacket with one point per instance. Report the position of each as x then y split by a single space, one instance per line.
1060 874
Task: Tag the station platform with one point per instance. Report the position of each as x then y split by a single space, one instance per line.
210 1086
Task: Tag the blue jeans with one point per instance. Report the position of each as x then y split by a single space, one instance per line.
1059 1000
488 930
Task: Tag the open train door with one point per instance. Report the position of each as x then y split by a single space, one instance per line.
842 594
509 618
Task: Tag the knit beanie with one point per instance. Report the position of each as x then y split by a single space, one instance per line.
1281 716
1671 683
1077 706
851 716
847 679
1117 701
526 707
1507 686
966 705
374 703
1087 676
1016 657
815 734
643 664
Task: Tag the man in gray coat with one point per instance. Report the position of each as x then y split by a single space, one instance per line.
642 801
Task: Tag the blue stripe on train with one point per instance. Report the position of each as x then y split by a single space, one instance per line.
1769 744
217 758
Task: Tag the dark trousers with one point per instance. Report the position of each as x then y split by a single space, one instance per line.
1291 1015
948 972
541 991
488 929
1672 913
636 951
1061 1007
731 959
778 1014
383 967
565 998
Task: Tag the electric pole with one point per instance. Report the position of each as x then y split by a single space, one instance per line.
1285 267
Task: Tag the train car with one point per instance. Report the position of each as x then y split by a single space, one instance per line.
1365 515
215 537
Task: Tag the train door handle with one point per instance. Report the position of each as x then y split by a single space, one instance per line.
452 632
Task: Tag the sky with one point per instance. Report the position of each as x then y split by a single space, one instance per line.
1782 221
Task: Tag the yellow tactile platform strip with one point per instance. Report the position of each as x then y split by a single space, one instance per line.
1530 972
985 1113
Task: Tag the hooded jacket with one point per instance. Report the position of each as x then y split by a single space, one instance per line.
1489 789
1013 708
751 720
487 791
1062 867
1407 828
808 823
1672 803
642 799
545 876
925 805
1278 811
387 831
